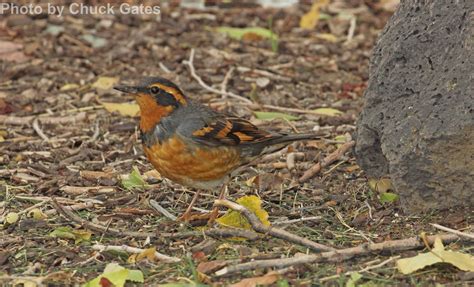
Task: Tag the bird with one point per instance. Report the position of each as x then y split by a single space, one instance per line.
195 146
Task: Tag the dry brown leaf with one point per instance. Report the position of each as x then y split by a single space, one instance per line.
125 109
12 52
210 266
264 280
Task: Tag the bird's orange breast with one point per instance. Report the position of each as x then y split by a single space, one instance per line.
191 165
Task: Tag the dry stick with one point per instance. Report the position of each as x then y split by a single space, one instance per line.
371 267
97 227
326 161
156 206
190 64
272 231
39 131
219 233
130 249
245 101
457 232
338 255
11 120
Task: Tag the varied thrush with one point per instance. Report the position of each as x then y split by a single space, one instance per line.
193 145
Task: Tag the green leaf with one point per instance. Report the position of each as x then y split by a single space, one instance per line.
66 232
274 115
96 42
330 112
134 180
239 33
117 275
388 197
356 276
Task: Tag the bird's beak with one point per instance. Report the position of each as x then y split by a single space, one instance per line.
127 89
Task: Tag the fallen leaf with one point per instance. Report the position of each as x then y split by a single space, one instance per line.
210 266
36 213
388 197
380 185
105 83
233 218
125 109
54 29
327 37
116 275
68 87
330 112
96 42
438 254
264 280
134 180
12 217
249 33
148 253
274 115
352 282
310 20
66 232
12 52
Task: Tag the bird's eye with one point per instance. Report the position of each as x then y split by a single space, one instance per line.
154 90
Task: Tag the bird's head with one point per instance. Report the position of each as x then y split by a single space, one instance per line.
157 98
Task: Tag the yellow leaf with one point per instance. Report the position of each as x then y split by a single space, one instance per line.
380 185
12 217
148 253
311 19
327 37
105 83
68 87
438 254
330 112
234 219
36 213
125 109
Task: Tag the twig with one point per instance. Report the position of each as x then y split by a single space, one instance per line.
130 249
457 232
365 269
162 210
12 120
39 131
326 161
97 227
337 255
302 219
73 207
190 64
219 233
352 27
226 80
272 231
164 68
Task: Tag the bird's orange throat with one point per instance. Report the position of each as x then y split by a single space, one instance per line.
150 112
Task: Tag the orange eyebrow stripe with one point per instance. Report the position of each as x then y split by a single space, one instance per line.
179 97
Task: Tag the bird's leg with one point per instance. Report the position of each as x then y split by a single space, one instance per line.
215 210
187 216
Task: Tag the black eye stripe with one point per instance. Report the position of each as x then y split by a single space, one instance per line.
166 99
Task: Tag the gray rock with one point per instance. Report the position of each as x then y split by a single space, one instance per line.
417 125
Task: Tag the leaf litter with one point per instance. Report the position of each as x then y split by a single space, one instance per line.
68 78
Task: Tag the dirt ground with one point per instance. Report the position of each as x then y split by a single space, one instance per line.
58 141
